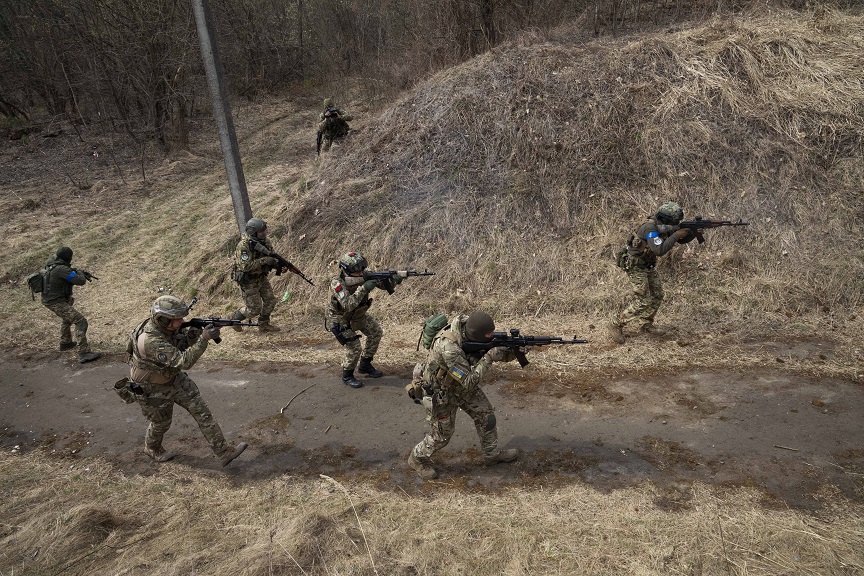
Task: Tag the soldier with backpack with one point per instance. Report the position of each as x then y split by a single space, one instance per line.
450 381
332 125
57 281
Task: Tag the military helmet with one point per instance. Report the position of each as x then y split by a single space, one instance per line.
670 213
352 263
255 225
65 254
478 326
169 307
328 102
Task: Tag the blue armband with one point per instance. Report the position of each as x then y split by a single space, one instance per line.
652 234
72 275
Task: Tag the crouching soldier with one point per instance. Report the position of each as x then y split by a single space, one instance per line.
347 315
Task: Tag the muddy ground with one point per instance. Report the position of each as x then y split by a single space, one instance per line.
790 435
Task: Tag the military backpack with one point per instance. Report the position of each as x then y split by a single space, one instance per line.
36 281
431 327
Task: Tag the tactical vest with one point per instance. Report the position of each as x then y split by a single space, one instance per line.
143 370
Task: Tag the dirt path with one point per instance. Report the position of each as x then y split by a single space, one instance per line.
792 436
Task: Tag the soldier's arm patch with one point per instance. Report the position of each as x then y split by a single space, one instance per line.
457 373
162 357
244 255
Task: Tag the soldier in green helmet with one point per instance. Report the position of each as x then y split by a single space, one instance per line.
454 379
159 353
654 238
332 125
58 279
252 266
347 315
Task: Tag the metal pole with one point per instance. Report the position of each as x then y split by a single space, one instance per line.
222 112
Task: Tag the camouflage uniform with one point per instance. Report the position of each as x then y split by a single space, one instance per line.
332 124
57 297
651 240
454 379
251 269
157 360
346 315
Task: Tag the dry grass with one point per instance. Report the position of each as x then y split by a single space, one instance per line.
515 177
183 522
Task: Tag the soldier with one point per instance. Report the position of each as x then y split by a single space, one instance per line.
454 379
252 265
58 281
654 238
346 315
332 124
159 352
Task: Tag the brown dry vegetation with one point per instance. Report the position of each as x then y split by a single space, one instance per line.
515 177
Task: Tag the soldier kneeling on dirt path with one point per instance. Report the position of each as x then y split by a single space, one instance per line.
453 379
159 352
58 280
252 265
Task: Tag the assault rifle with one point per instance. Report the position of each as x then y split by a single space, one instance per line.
318 143
515 341
87 275
384 276
698 224
202 323
283 263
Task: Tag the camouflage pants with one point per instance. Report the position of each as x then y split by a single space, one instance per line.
369 326
71 316
441 411
157 405
648 293
258 298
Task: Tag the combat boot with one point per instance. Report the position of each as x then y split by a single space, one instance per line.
266 326
67 345
651 329
616 331
88 357
349 379
159 454
365 367
423 467
238 316
228 455
502 456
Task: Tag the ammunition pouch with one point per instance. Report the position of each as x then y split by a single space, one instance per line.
339 332
122 388
621 258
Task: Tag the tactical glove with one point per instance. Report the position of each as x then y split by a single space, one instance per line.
370 285
396 279
193 333
681 234
210 332
500 354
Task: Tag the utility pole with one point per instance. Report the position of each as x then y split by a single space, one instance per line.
222 112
